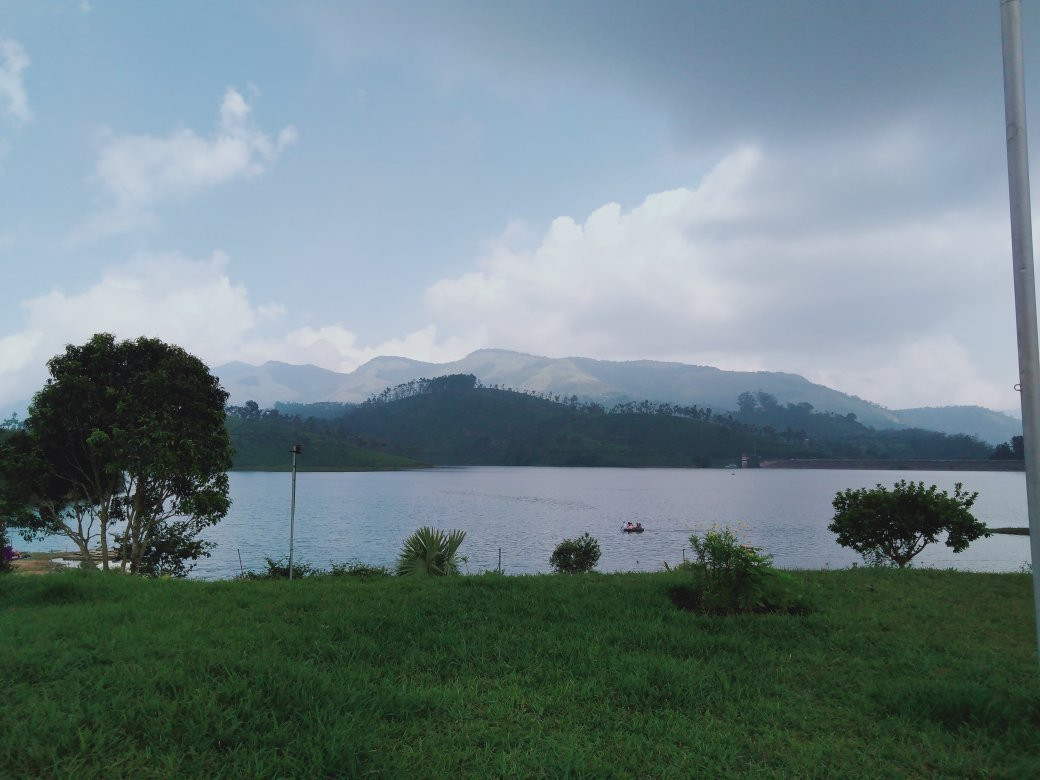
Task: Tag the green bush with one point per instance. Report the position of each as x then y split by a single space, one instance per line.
733 577
279 570
575 556
892 526
430 552
357 569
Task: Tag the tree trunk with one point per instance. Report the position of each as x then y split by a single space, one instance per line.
103 521
136 535
84 549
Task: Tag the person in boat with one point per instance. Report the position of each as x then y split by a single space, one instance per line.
639 526
629 526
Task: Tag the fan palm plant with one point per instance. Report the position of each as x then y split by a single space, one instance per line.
431 552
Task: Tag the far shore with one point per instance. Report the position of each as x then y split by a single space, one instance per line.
895 465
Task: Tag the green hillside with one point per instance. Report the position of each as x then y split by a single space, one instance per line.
263 445
453 420
460 423
844 436
501 427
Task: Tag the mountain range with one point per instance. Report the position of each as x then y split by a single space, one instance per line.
602 381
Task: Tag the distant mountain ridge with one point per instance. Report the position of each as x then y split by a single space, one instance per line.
966 419
603 381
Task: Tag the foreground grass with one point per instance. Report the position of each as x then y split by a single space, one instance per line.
918 673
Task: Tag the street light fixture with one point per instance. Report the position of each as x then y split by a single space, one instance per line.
296 450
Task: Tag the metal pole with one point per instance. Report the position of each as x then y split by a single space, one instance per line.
1025 287
292 507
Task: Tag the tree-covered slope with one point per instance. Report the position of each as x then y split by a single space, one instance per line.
606 382
990 426
844 436
453 420
262 444
485 426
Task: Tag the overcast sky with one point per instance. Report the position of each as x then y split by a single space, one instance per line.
812 187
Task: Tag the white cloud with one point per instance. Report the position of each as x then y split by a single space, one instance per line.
193 304
745 271
13 97
135 172
748 270
196 305
919 372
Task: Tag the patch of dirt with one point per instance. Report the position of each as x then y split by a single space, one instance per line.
32 566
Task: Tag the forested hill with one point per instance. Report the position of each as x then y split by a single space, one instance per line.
262 441
453 420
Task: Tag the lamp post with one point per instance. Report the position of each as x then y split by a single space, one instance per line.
296 450
1025 286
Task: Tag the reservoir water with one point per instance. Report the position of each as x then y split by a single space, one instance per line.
526 512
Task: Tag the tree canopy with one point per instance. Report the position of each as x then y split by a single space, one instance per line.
125 439
895 525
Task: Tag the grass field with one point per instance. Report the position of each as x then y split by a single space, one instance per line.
893 674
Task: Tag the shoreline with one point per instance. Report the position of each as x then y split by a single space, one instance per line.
895 465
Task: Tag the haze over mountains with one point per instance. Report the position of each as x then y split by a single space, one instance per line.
606 382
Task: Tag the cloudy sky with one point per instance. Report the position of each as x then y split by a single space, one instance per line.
813 187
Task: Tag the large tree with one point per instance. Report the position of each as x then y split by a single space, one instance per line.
893 526
125 443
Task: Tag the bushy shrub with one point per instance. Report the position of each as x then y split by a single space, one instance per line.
733 577
279 570
171 550
357 569
430 552
892 526
575 556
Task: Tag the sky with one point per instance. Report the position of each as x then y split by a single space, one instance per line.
811 187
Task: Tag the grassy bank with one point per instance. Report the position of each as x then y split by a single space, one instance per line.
918 673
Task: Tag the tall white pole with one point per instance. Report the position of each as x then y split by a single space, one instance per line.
292 507
1025 287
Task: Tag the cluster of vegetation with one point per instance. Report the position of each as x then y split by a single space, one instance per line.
517 676
575 556
322 410
1011 450
454 420
430 552
893 526
124 450
729 577
843 436
279 570
10 424
262 439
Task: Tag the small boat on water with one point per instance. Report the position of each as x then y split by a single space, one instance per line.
633 529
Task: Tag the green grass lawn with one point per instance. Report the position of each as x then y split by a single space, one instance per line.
893 674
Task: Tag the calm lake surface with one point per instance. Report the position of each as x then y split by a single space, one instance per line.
527 511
